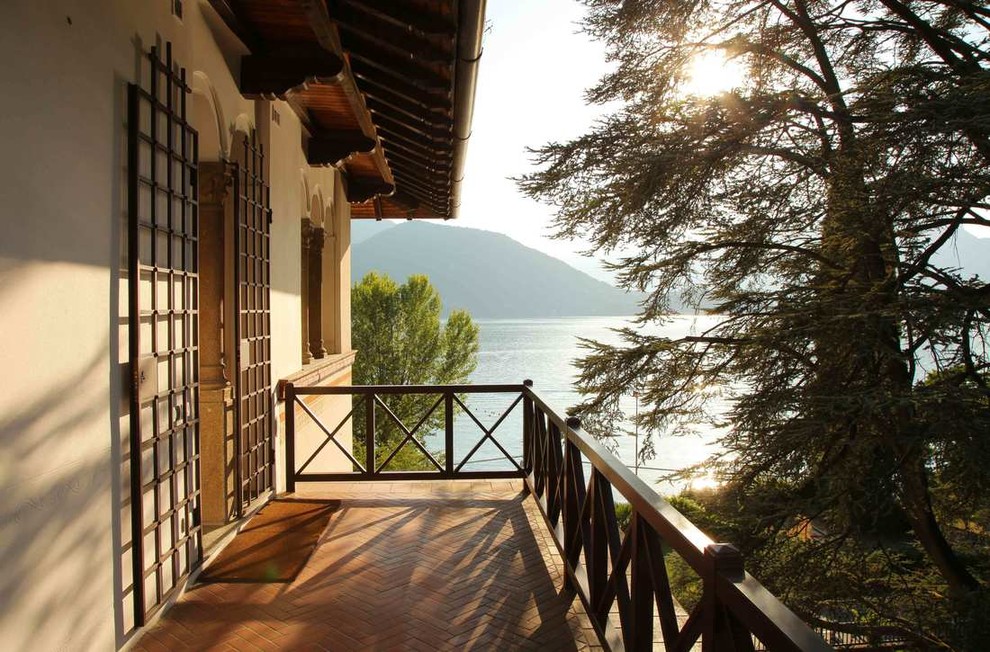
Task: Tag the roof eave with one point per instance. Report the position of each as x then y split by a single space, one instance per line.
470 29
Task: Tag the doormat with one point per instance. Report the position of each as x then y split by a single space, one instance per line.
274 545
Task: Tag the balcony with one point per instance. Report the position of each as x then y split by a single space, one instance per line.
521 551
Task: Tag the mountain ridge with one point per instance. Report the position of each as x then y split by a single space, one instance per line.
487 273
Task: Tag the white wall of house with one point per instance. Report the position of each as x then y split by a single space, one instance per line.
63 306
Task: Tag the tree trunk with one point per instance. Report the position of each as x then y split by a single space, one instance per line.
917 504
854 233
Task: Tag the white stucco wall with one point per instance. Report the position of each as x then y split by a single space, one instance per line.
63 307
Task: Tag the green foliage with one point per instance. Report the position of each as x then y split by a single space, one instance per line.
623 514
397 332
955 411
807 205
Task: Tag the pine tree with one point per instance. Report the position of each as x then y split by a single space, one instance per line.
806 206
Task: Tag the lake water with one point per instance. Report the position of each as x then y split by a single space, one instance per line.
544 351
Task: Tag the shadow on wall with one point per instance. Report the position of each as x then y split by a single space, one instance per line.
55 582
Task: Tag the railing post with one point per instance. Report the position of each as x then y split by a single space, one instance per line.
639 630
448 432
369 434
539 452
573 498
721 559
290 438
527 430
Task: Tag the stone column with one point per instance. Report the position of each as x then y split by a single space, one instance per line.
216 395
331 306
316 294
214 185
305 236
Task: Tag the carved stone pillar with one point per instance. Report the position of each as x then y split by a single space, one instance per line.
306 234
316 294
214 185
331 306
216 394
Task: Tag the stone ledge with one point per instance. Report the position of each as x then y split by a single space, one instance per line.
317 371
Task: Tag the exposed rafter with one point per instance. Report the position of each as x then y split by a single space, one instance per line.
276 74
383 88
424 167
411 116
393 99
431 164
403 69
414 132
401 15
333 147
371 29
430 98
227 10
413 142
361 190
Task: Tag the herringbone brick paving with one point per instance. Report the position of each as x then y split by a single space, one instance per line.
403 566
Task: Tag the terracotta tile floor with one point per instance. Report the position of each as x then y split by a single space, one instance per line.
402 566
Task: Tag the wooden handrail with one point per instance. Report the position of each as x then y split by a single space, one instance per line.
735 606
364 390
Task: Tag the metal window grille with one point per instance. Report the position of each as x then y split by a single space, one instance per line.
163 300
252 276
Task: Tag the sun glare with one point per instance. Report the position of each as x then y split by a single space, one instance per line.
704 482
710 73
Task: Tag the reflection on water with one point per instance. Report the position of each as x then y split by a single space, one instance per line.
544 350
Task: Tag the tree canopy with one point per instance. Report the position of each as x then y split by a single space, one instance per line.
806 205
397 332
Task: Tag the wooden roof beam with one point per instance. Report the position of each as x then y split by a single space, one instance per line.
361 190
433 100
418 153
230 15
433 167
414 142
426 119
382 34
401 15
389 97
438 185
333 147
414 132
325 29
429 204
412 182
322 25
275 74
403 69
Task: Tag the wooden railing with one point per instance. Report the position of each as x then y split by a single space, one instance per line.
371 408
619 575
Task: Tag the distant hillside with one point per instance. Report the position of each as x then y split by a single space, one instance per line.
968 253
361 230
489 274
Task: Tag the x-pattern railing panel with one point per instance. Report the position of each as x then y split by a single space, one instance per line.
409 434
331 436
488 433
379 462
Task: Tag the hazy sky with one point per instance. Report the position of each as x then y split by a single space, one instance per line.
534 70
